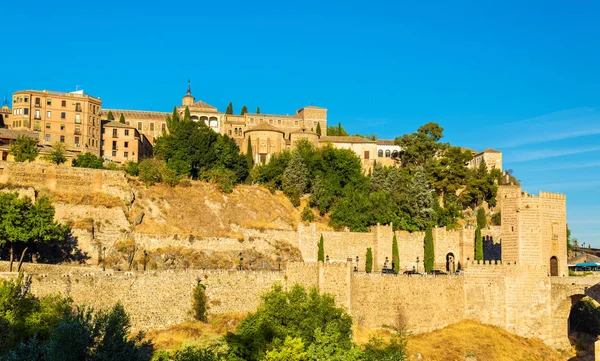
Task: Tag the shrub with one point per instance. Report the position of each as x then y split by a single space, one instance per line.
88 160
308 215
131 168
200 302
225 179
369 261
497 219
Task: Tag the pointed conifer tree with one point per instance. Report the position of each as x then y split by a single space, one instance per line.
187 116
395 255
244 110
321 253
369 261
110 115
249 155
319 129
429 255
481 220
122 119
478 245
173 120
257 110
229 109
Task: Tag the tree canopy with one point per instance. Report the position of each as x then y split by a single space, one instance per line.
57 154
24 149
88 160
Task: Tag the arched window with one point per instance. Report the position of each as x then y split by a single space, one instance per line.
380 153
395 154
235 131
387 153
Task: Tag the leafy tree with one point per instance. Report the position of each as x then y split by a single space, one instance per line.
295 313
229 109
421 147
395 255
420 199
122 119
336 130
321 252
327 346
88 160
294 178
429 257
131 168
318 131
110 115
24 149
497 219
291 350
571 242
478 245
58 154
200 302
307 214
257 110
153 171
369 261
481 220
244 110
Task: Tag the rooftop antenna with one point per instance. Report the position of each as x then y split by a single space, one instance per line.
76 87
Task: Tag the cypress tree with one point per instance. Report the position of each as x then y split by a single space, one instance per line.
122 119
187 116
481 221
319 129
339 128
321 254
257 110
369 261
244 110
429 260
395 255
249 153
229 109
173 120
478 245
110 115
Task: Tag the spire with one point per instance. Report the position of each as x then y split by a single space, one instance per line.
189 91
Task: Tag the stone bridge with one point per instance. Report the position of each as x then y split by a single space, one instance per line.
566 292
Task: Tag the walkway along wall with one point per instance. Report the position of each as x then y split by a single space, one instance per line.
520 299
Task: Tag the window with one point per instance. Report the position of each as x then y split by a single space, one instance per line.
37 114
36 126
126 131
47 137
48 114
47 125
114 153
139 125
77 119
151 127
296 123
77 107
163 127
366 154
126 145
62 138
48 101
26 100
62 127
37 102
380 153
229 131
63 103
114 145
115 133
63 115
279 121
26 111
387 153
77 141
126 154
77 130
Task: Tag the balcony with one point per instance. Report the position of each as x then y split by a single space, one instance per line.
77 132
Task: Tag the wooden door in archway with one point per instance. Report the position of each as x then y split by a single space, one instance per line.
553 266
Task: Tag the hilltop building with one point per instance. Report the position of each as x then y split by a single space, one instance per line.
4 114
122 143
491 157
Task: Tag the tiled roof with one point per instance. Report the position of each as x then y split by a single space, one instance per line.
202 105
490 150
6 133
254 115
345 139
385 142
115 124
264 128
136 114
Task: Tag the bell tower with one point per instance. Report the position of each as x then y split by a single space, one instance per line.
188 99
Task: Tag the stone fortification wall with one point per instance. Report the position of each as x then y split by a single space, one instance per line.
66 179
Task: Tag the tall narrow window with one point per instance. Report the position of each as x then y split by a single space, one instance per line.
139 125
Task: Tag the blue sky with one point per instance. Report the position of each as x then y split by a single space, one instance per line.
518 76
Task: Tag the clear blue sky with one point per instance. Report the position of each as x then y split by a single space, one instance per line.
518 76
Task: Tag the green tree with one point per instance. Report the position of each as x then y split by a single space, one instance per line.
571 242
369 261
173 120
497 219
420 199
291 350
200 302
229 109
429 252
421 147
186 115
249 155
110 115
58 154
88 160
294 179
481 220
244 110
122 119
319 129
395 255
336 130
307 214
478 245
24 149
257 110
321 252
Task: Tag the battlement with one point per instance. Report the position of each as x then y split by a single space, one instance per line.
550 195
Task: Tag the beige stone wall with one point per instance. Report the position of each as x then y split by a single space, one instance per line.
265 144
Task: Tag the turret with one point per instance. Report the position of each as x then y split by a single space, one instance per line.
188 99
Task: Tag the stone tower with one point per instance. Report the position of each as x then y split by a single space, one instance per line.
534 229
188 99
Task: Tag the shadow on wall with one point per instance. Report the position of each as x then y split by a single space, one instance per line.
491 251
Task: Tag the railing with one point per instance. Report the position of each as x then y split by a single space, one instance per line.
77 132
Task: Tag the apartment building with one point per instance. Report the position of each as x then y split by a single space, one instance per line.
70 118
123 143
